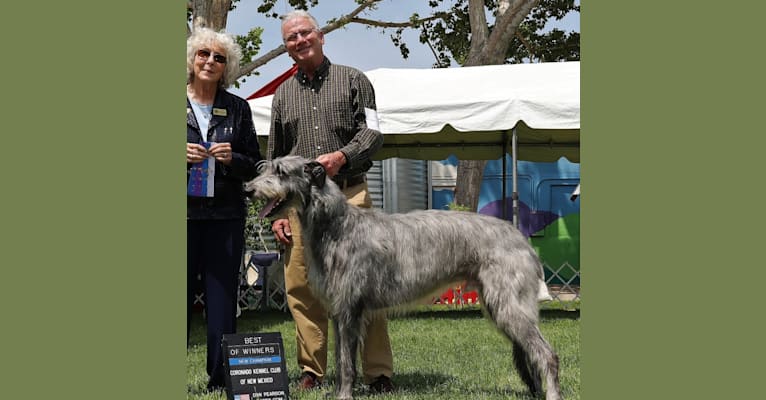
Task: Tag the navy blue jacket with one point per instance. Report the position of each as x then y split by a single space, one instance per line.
235 127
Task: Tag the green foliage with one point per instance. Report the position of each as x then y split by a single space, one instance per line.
250 45
554 45
458 207
450 37
267 6
396 38
439 353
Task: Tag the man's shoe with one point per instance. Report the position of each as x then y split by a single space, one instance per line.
382 384
308 381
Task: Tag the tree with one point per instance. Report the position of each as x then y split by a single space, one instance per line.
457 31
208 13
515 36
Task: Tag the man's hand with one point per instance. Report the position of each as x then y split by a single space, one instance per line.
281 229
332 162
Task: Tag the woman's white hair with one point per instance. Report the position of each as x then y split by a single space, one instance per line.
206 38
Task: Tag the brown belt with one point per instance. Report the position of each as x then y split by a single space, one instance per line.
346 182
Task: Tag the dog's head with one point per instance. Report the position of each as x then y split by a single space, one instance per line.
285 181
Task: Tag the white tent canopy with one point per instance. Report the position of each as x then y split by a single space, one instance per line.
472 112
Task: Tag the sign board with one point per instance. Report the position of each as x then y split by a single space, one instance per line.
255 366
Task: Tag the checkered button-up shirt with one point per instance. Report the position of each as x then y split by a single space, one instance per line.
314 117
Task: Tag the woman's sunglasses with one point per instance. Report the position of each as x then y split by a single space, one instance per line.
205 54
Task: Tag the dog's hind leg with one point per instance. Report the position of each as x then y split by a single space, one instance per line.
530 377
542 357
347 334
517 319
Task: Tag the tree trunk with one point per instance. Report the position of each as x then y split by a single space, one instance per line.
210 13
468 183
487 49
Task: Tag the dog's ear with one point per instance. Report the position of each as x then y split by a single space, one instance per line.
316 173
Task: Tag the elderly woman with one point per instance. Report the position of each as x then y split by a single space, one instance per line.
221 154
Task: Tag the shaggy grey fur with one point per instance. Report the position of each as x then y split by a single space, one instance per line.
360 260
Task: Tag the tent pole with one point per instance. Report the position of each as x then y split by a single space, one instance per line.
504 213
515 194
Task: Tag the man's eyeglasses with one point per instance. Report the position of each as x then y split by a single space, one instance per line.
205 54
304 33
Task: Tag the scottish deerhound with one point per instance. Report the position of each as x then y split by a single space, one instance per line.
361 260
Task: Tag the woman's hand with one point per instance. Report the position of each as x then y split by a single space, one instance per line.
221 152
195 153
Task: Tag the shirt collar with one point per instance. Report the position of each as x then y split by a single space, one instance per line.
321 72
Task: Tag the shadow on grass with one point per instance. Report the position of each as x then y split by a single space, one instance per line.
419 383
447 313
475 312
429 383
560 314
254 320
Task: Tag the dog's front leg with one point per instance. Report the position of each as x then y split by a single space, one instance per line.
346 342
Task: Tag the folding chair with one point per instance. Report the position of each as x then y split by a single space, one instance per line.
254 282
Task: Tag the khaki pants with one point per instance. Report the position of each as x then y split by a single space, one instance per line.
311 317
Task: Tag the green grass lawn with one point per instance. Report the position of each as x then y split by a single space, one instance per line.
439 353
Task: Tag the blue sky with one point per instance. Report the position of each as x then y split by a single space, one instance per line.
356 45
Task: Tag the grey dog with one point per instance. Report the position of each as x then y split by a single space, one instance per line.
361 260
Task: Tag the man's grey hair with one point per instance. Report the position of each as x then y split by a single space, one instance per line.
300 14
205 38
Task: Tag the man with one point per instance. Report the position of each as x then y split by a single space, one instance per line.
325 112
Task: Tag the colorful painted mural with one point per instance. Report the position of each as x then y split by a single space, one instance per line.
547 213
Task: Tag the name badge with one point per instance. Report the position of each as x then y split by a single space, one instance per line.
219 111
188 110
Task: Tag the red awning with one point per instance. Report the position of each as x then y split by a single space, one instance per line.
272 86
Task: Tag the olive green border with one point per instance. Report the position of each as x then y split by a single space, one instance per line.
671 148
618 289
93 224
93 213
